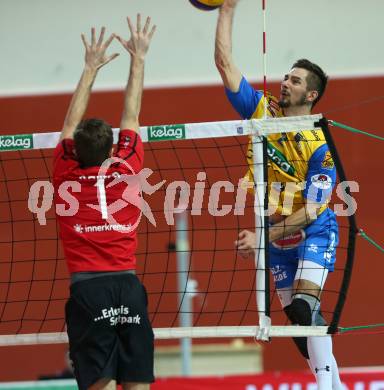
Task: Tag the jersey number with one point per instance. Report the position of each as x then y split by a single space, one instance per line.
102 198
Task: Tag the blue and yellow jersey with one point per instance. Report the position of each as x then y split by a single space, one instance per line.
300 166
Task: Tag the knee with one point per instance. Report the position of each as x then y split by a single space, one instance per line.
303 310
299 312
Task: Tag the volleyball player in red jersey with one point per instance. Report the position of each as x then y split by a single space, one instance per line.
110 336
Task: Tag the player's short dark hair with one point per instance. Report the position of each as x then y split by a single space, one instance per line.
316 79
93 142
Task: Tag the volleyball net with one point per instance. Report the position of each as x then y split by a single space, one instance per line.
197 284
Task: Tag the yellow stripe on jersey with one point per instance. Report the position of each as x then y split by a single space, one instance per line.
288 156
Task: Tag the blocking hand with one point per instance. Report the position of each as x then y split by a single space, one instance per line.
140 39
230 3
95 53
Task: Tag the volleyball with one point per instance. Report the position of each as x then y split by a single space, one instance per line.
207 5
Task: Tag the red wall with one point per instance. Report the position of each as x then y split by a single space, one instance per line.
355 102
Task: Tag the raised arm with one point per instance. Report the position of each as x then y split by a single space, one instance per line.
137 46
230 74
95 58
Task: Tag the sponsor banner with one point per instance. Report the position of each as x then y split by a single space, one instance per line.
270 381
166 133
16 142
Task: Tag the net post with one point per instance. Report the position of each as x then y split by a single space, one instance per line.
259 145
353 230
266 228
184 296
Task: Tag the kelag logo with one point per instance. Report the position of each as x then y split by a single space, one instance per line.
16 142
166 133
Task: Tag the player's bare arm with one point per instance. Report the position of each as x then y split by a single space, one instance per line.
294 222
246 242
95 58
137 46
230 74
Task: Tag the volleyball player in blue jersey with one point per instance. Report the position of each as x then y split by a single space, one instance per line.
302 242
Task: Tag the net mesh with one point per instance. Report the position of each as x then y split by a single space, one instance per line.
34 281
33 276
222 294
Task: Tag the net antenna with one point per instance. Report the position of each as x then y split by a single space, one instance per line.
193 133
263 5
185 285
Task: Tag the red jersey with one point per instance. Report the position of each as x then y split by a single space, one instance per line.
97 224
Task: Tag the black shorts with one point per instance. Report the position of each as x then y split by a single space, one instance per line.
109 332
